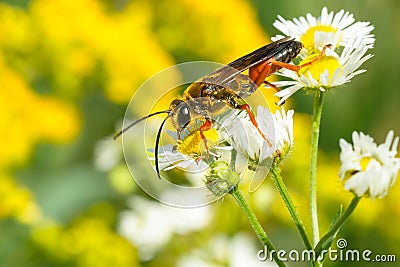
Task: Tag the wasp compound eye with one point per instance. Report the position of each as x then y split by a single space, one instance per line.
183 116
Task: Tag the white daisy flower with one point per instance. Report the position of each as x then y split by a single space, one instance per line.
236 251
186 154
350 42
190 155
338 29
107 154
244 137
369 170
259 153
170 158
140 224
201 165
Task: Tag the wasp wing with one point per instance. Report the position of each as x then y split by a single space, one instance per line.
226 75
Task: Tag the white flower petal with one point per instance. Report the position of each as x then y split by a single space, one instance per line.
287 92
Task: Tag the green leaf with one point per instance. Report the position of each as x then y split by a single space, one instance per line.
326 241
336 218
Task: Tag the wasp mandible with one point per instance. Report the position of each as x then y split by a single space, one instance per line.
227 86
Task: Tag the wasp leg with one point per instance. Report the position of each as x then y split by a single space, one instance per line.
205 127
246 107
277 89
317 58
232 99
296 68
261 71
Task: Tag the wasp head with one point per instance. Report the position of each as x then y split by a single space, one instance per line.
180 114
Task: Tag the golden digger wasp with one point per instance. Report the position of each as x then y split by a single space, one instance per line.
227 87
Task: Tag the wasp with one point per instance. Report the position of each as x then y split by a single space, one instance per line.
228 86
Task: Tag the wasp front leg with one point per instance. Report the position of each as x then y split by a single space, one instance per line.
205 127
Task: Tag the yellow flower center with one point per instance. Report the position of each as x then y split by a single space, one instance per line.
320 66
364 163
308 38
193 144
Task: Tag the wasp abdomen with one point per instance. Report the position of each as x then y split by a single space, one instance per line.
288 54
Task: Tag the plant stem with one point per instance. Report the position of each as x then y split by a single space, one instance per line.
255 224
318 100
280 185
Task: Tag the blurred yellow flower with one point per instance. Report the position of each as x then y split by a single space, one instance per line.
134 53
15 29
17 202
75 39
80 34
87 242
233 23
28 118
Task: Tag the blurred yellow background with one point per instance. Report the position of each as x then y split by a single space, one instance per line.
68 68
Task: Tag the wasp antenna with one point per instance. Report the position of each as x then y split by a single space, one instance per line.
156 146
139 120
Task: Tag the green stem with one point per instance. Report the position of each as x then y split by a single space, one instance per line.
255 224
318 100
280 185
338 224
